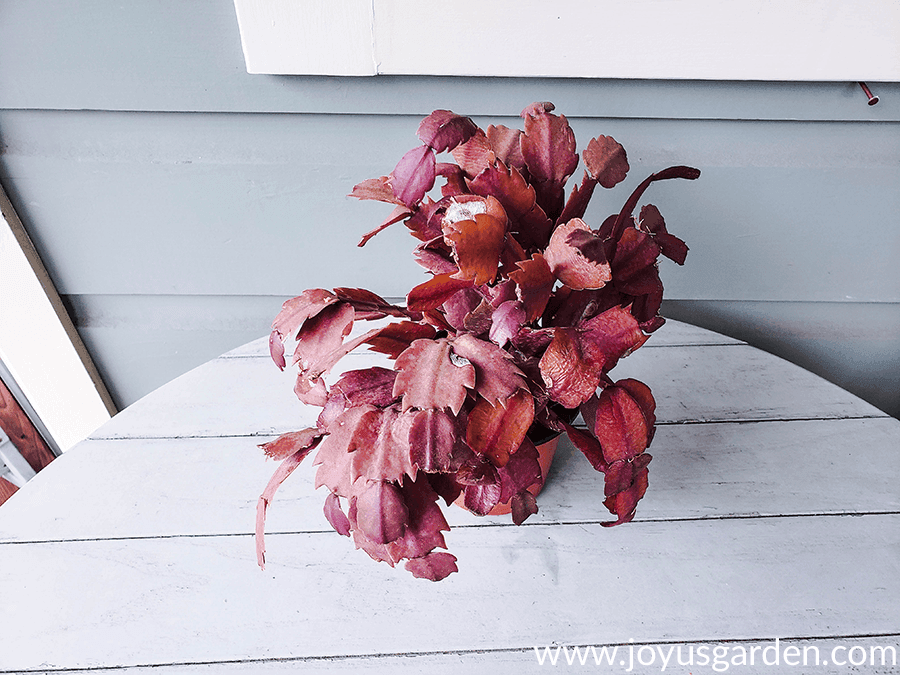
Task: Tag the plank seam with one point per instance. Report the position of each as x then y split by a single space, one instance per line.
453 652
260 434
228 357
469 526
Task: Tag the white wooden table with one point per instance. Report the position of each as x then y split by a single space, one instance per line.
773 512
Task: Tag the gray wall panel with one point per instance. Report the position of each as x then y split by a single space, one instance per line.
234 203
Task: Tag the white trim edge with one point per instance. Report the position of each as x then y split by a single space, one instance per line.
764 40
37 350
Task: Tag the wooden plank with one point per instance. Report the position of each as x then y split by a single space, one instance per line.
691 39
190 600
177 56
691 384
833 658
210 486
7 490
309 38
22 433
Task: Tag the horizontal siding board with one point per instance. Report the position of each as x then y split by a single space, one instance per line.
151 600
257 204
177 56
698 471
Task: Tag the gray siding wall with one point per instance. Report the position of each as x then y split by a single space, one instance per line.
178 200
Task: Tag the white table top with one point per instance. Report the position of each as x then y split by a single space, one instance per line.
773 512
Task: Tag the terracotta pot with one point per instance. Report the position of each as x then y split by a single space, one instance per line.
545 459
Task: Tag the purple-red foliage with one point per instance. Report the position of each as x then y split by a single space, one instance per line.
527 310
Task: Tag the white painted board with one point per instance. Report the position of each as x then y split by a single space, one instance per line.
650 39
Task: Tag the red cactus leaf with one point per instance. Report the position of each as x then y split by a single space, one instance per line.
569 264
476 247
419 223
378 189
444 130
395 337
479 471
533 342
285 469
623 504
368 305
620 425
413 176
480 319
506 185
501 292
435 292
435 262
426 522
506 321
321 335
634 265
333 458
399 213
621 474
518 198
570 375
578 201
506 145
548 146
475 155
606 161
671 246
380 448
534 284
276 349
574 363
523 505
445 485
497 432
459 305
610 336
423 530
480 499
297 310
621 221
645 308
433 566
521 471
456 180
428 378
335 515
321 345
290 443
589 446
310 390
372 386
496 376
642 395
381 512
481 487
432 437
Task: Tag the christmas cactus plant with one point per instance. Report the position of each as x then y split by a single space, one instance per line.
527 310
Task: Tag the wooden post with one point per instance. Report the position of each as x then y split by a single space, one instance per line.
23 435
